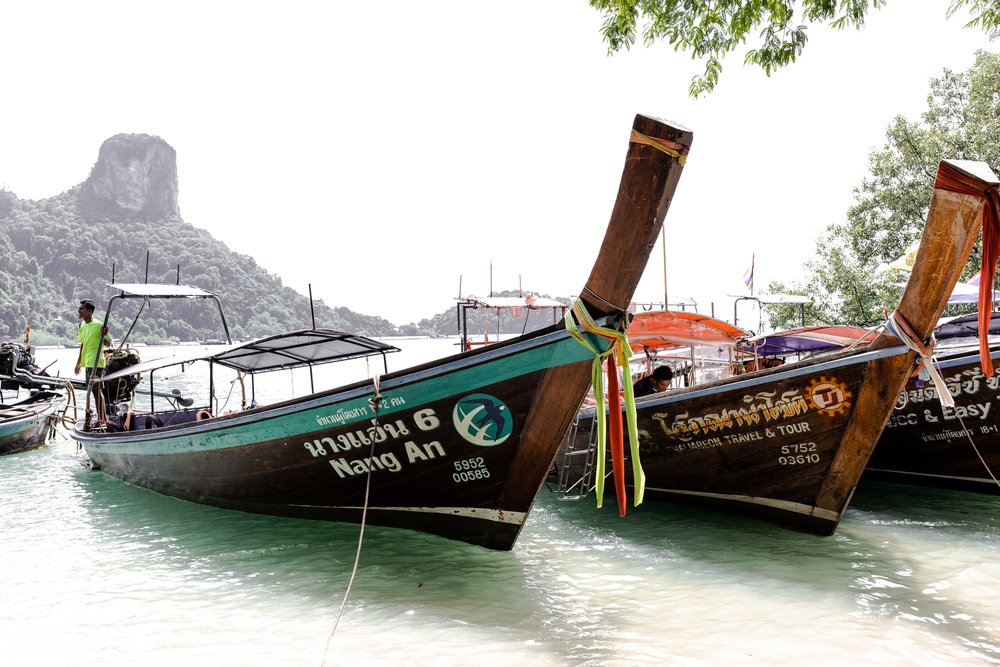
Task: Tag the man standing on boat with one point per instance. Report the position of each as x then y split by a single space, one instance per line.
91 353
657 381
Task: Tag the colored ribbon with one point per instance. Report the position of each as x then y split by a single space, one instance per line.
671 148
953 180
618 353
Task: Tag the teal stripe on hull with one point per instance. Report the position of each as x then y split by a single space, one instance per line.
403 394
20 426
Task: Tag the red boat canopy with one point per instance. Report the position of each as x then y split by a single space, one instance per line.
669 328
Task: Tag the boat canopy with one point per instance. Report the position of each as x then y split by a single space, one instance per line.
161 291
807 340
294 349
671 328
529 301
965 325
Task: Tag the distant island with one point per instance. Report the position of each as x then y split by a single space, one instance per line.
56 251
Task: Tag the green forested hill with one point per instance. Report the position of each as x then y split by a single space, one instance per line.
56 251
51 256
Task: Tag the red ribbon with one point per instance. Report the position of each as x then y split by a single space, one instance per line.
951 179
616 435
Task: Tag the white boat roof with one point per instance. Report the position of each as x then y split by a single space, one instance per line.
160 290
513 302
283 351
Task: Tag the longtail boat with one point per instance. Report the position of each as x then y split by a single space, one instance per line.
28 422
789 443
924 442
29 400
458 447
956 446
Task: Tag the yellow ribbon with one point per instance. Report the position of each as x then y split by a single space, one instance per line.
671 148
619 351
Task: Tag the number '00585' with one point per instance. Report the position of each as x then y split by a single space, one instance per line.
471 475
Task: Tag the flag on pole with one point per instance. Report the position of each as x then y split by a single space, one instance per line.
748 276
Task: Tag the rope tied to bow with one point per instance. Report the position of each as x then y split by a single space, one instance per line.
578 323
901 329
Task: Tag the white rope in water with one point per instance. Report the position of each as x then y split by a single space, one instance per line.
374 402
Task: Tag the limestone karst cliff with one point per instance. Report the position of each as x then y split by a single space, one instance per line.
135 176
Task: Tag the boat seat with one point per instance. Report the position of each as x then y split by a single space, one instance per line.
141 422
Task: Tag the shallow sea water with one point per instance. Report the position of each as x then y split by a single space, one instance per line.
98 572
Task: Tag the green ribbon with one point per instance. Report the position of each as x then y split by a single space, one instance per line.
618 349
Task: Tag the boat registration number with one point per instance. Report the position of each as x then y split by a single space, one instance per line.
469 470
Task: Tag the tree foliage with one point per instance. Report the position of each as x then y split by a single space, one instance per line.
710 29
849 279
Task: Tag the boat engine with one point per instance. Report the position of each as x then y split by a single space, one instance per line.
121 390
15 358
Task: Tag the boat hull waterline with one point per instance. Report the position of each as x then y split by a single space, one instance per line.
28 424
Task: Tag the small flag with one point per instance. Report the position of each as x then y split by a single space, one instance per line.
748 276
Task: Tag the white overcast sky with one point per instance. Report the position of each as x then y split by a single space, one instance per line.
384 152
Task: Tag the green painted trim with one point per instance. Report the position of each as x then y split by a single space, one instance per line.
410 396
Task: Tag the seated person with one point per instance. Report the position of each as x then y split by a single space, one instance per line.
657 381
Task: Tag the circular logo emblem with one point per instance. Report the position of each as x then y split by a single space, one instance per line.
829 396
483 420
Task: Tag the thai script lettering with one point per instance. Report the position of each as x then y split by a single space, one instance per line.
946 435
967 382
762 408
346 415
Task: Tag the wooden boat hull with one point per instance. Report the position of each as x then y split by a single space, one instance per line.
446 439
27 424
958 447
761 445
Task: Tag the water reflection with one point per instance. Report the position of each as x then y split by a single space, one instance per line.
103 573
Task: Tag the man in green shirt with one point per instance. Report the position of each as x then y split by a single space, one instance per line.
90 342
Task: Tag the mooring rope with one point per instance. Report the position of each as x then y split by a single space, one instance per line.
968 436
934 372
901 329
374 401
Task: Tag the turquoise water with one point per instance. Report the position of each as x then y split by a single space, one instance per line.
97 572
